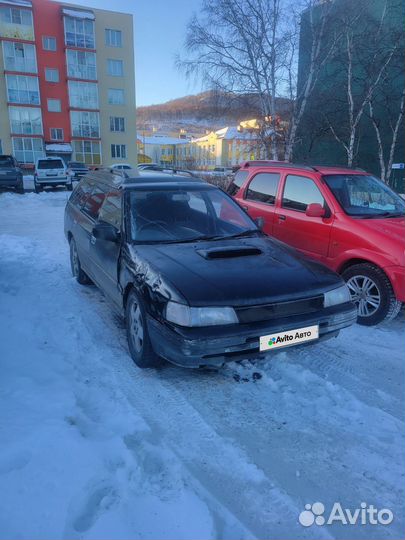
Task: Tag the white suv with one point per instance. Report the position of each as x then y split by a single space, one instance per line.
51 171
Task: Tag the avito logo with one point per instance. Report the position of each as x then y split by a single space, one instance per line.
366 514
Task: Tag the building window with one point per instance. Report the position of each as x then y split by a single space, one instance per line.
10 15
54 105
115 68
22 89
81 65
85 124
49 43
19 57
115 96
118 151
25 120
113 38
52 75
27 150
79 32
88 152
117 123
83 95
56 134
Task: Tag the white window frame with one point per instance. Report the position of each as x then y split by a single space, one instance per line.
48 71
53 138
92 153
12 15
55 101
22 86
112 100
79 30
111 37
25 141
85 124
34 128
119 151
115 67
46 41
117 120
22 66
81 71
81 94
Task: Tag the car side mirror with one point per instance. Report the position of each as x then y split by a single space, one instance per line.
259 222
315 210
104 231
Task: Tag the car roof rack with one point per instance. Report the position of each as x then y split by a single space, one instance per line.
268 163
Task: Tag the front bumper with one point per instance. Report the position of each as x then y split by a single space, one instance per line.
213 346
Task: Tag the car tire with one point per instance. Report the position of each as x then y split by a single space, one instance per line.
37 188
372 292
139 343
76 267
69 187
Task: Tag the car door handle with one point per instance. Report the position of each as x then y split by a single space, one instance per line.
92 240
281 217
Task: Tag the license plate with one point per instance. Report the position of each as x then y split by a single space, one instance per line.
291 337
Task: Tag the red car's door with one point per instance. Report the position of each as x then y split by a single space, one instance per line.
291 224
260 197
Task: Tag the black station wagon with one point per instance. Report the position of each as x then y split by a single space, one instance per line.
198 282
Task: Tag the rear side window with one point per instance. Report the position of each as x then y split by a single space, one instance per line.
50 164
80 193
110 212
263 188
299 192
93 202
237 182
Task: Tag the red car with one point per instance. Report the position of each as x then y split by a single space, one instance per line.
345 218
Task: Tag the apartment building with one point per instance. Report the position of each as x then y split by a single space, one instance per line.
67 84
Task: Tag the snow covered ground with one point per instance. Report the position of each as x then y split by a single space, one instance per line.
93 447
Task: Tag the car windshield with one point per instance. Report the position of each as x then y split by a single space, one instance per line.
6 161
50 164
184 215
365 196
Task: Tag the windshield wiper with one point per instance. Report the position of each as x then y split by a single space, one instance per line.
249 232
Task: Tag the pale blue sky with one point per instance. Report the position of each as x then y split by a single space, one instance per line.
159 33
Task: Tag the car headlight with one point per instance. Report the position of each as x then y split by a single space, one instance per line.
193 316
340 295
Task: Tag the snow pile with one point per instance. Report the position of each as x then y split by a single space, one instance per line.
96 448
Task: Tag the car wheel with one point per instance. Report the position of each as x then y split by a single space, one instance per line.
75 265
139 343
37 188
69 187
372 292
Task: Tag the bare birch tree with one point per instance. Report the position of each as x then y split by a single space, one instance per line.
362 58
240 46
322 41
395 121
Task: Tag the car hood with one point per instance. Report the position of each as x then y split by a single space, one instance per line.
235 272
389 227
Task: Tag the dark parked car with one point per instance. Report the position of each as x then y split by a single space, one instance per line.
11 175
77 170
197 280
